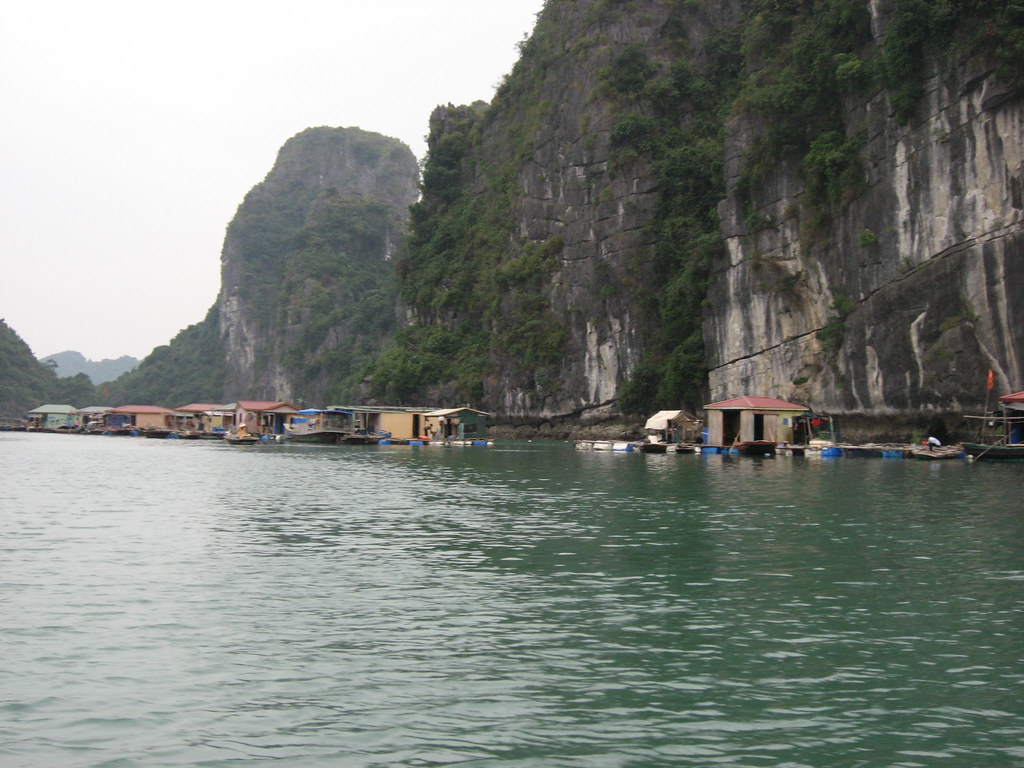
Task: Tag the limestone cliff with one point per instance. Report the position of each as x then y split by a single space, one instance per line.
864 158
538 219
903 299
307 290
307 294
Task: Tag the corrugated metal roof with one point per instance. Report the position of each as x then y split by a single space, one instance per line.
449 411
1016 397
140 409
53 408
199 407
756 402
267 405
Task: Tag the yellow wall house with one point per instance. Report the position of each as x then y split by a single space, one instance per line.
203 417
398 423
751 419
139 417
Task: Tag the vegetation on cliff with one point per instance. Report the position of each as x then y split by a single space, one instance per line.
308 273
310 261
188 370
478 288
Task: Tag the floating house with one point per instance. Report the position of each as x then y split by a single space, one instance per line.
320 425
52 416
132 417
456 424
751 420
1015 425
371 423
261 417
90 418
212 418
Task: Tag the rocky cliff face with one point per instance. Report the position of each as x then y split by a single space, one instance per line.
903 301
307 266
893 295
575 194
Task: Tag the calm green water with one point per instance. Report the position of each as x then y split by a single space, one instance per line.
174 603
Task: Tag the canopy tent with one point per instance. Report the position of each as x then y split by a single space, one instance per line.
661 419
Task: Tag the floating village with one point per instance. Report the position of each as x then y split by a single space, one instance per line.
744 426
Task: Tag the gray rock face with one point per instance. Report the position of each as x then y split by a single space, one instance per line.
273 292
928 262
597 200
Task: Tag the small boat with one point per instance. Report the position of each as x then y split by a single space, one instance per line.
936 453
995 452
754 448
1000 434
862 451
649 447
604 445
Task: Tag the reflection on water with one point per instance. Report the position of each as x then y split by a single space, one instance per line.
170 603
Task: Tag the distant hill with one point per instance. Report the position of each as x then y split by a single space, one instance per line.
99 371
26 383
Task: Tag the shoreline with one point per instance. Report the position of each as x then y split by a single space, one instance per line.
852 428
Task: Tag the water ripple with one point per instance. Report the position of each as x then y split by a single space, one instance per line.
535 606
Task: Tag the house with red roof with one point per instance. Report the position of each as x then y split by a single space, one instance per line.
751 419
262 417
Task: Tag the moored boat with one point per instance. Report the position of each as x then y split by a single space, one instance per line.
994 452
236 440
1001 433
649 447
754 448
937 453
618 446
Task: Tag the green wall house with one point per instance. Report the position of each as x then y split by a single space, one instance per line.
459 423
52 416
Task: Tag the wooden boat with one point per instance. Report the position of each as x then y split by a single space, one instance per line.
647 447
755 448
329 436
938 453
995 452
1000 434
862 451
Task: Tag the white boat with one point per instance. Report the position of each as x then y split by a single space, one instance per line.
604 445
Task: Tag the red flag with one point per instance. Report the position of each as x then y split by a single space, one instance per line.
991 382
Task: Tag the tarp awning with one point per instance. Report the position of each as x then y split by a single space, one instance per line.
661 419
1016 401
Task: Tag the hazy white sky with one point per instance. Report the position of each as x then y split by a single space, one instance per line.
132 129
